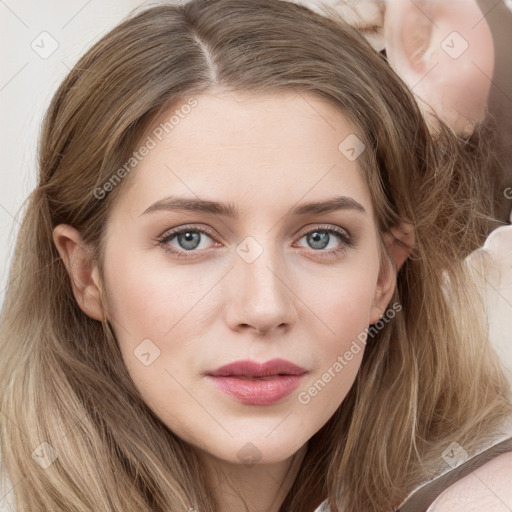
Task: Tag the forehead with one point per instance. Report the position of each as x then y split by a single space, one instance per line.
259 149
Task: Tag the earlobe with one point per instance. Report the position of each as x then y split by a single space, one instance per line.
82 270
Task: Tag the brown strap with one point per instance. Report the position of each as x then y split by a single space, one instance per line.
426 495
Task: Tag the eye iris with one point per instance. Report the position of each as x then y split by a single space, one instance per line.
191 240
319 239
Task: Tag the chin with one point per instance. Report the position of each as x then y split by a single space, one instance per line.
249 453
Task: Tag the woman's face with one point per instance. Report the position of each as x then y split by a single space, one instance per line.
251 280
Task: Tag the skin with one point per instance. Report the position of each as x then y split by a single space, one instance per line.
450 74
265 154
485 490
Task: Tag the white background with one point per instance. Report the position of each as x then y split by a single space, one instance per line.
27 83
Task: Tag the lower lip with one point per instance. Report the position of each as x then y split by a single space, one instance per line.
258 392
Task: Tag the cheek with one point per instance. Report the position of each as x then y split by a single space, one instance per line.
348 300
338 349
343 296
150 297
158 313
344 306
150 305
346 313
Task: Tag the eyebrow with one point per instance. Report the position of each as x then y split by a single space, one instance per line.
229 210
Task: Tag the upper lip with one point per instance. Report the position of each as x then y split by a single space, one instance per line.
247 368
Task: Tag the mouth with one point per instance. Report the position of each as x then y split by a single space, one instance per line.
270 377
252 383
253 370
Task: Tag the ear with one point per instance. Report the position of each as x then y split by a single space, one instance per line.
448 72
83 272
398 242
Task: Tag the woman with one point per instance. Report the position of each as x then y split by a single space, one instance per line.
180 334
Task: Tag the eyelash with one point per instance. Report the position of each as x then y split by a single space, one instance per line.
168 236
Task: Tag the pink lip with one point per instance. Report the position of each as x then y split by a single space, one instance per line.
274 380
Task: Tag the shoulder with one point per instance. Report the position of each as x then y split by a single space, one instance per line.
487 489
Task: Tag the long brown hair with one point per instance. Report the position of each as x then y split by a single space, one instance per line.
428 378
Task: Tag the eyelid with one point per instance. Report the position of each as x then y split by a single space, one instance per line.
192 227
171 233
343 234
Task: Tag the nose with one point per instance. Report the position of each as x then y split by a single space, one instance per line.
261 297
